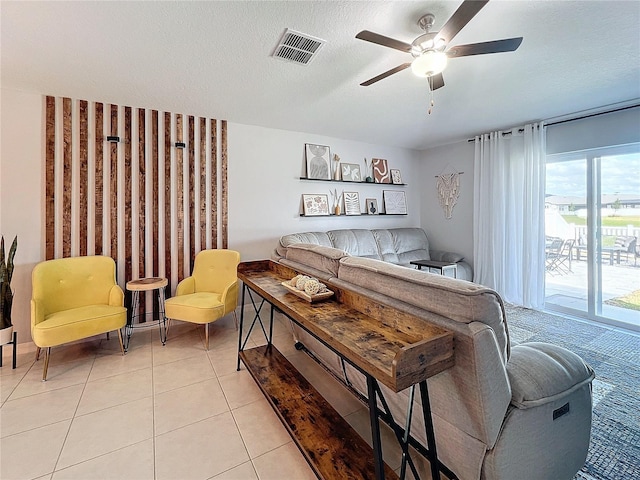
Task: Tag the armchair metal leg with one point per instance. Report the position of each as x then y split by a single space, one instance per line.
206 336
37 353
121 343
47 354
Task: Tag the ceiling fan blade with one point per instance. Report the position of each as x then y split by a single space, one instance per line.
436 82
399 68
495 46
459 19
368 36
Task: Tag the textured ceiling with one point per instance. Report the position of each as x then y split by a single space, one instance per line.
214 59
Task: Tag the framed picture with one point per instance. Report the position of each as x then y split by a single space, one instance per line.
395 202
351 203
318 159
372 206
395 176
351 172
314 205
380 170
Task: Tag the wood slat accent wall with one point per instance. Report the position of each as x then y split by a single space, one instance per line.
142 198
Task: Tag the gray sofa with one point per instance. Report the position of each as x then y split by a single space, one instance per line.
499 412
395 245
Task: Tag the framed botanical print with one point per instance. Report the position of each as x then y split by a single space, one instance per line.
372 206
380 170
395 202
396 178
351 203
315 205
318 158
351 172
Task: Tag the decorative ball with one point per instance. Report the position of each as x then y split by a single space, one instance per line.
312 286
323 288
301 281
294 280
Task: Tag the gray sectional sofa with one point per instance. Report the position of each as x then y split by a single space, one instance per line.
500 412
394 245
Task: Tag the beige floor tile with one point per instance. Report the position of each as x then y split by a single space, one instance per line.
260 427
32 454
224 360
186 405
106 431
37 411
182 372
116 390
391 451
8 384
112 363
58 376
283 462
183 342
132 462
241 472
200 450
85 349
240 389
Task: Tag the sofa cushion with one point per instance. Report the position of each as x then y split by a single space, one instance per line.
541 372
357 242
324 259
458 300
315 238
385 246
410 244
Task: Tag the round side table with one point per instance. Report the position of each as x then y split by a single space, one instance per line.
145 285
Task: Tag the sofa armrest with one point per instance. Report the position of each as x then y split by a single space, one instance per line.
443 256
540 373
116 296
186 286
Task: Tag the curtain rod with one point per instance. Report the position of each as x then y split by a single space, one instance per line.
520 130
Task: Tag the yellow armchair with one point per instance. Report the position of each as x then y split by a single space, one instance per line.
74 298
210 293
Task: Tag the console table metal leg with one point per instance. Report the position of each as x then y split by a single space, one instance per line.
375 428
428 425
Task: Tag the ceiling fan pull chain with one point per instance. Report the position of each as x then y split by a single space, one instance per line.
430 94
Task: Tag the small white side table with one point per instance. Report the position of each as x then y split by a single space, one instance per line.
145 285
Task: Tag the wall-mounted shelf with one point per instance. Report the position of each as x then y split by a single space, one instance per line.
356 183
361 215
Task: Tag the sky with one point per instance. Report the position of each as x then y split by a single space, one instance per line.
620 174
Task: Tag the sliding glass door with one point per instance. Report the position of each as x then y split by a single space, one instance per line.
592 228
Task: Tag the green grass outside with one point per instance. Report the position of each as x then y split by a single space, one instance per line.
606 221
630 301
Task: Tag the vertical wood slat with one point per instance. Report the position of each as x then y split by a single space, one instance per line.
214 184
192 192
180 189
225 185
66 177
128 185
113 190
99 162
50 178
141 203
167 198
203 183
154 191
84 159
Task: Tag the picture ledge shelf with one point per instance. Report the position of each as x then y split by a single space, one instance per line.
351 181
361 215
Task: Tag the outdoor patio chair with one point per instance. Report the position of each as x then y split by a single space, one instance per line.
627 246
560 263
552 252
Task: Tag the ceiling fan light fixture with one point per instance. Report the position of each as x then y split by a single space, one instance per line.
429 63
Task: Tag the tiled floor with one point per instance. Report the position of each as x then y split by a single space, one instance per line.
160 412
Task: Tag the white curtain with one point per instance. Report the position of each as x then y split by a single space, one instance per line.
508 215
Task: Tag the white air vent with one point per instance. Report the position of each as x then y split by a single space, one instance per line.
298 47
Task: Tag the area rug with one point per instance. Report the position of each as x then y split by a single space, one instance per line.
614 354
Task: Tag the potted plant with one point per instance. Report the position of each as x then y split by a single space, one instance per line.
6 294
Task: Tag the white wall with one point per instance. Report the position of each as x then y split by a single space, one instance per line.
454 234
21 194
265 190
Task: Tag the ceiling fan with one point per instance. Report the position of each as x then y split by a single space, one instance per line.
430 49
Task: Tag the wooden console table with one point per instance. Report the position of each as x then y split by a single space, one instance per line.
386 345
